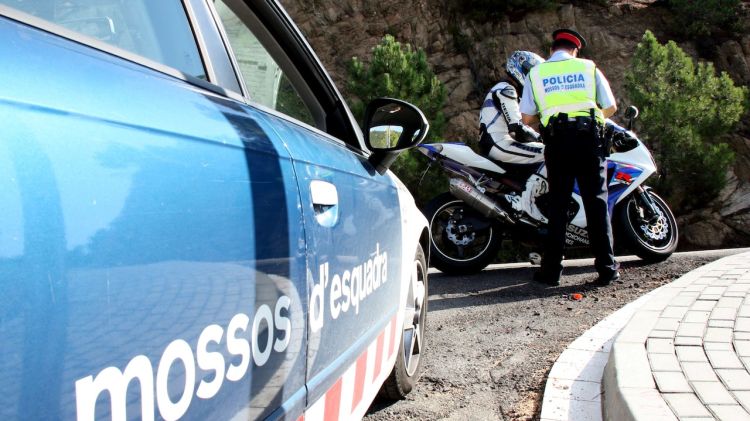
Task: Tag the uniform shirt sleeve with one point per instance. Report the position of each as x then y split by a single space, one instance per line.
528 106
604 96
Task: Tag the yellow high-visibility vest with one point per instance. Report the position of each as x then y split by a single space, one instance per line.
566 86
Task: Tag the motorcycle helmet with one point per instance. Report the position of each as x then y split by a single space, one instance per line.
519 63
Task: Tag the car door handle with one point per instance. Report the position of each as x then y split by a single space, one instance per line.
325 199
324 193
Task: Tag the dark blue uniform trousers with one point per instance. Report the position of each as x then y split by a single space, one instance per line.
573 155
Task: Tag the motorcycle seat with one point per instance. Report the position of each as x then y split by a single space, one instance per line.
518 171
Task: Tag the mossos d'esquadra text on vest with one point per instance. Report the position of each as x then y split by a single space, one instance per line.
567 82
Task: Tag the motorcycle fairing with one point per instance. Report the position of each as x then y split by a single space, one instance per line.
623 176
462 153
620 177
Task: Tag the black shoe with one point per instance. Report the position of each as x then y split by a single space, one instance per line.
607 279
546 279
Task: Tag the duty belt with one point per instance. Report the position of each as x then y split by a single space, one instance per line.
563 123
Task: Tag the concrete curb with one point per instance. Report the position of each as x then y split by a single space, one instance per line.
573 388
629 389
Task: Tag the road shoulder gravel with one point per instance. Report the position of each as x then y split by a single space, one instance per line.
493 337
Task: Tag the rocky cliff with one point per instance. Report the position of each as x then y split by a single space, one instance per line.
468 56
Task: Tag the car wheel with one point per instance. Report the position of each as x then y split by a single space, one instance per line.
411 348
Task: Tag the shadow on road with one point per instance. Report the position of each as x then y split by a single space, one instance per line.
494 286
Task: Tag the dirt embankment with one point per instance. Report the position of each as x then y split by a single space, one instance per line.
468 56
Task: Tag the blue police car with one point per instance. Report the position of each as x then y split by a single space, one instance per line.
193 226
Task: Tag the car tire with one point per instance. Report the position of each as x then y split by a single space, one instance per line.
409 362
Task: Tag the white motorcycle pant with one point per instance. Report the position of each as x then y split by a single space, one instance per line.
536 186
512 152
509 151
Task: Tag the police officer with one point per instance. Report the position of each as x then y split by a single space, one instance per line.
571 99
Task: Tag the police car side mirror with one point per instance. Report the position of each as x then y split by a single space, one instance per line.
392 126
631 113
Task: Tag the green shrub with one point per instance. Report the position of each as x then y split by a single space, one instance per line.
685 111
396 70
696 18
461 42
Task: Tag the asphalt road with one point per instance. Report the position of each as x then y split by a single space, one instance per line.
493 337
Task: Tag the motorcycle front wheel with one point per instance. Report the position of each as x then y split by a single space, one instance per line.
461 240
652 241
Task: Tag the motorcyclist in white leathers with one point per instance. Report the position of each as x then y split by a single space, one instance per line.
506 139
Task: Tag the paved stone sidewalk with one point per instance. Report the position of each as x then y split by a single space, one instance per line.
685 354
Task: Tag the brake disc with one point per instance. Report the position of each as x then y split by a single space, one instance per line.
658 230
458 238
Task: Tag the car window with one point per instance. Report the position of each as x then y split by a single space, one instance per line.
157 30
266 82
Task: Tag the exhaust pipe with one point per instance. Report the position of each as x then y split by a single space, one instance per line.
478 200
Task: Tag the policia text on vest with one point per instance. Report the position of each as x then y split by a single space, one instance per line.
564 83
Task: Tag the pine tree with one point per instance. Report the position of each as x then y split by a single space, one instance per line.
396 70
686 111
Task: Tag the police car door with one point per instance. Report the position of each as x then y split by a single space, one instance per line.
353 247
352 228
155 225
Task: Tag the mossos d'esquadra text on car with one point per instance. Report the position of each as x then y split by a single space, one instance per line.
115 382
348 289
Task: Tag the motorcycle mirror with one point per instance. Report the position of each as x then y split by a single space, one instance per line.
631 113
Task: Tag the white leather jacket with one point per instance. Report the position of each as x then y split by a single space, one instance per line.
501 118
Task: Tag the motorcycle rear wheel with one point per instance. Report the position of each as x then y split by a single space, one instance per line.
455 247
652 242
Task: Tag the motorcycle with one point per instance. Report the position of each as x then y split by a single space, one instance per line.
469 222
